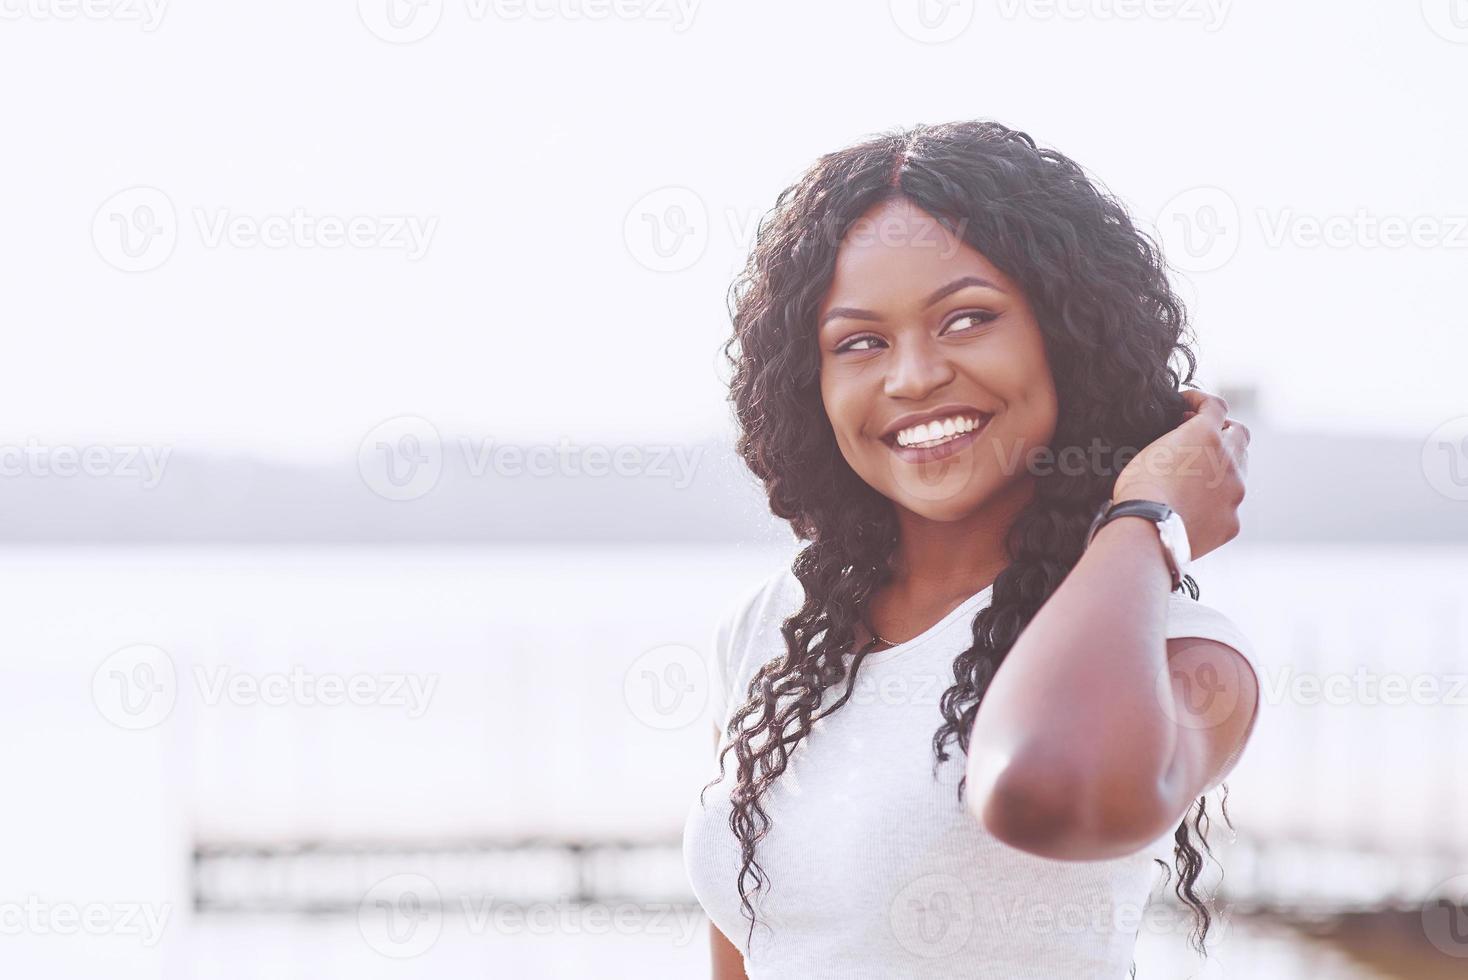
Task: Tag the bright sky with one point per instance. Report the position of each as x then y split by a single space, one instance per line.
497 278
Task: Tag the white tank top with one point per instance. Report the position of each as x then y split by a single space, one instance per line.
876 869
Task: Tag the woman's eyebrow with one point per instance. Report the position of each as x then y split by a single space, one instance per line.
963 282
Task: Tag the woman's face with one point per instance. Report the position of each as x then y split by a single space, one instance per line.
918 327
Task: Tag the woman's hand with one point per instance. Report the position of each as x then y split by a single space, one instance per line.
1197 469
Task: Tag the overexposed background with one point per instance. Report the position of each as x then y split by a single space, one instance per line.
325 324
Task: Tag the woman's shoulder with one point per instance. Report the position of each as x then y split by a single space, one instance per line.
1193 617
748 631
770 598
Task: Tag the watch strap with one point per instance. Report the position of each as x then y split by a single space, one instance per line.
1153 510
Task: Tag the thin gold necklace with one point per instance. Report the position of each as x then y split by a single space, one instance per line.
877 636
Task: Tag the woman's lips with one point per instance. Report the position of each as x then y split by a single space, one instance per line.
914 454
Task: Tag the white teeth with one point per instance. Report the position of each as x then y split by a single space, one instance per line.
936 432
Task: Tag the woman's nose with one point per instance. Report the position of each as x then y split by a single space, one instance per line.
916 369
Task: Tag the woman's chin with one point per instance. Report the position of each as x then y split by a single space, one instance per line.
948 511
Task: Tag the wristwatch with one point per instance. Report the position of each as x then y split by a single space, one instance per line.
1174 535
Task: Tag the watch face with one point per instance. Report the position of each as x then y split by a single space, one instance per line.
1175 538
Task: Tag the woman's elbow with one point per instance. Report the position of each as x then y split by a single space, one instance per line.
1067 816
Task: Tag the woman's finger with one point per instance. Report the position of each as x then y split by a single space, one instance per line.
1236 444
1234 425
1211 410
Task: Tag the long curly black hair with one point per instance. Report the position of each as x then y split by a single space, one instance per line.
1112 326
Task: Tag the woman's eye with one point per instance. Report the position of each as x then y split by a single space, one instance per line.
977 317
855 342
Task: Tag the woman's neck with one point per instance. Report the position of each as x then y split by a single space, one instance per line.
939 559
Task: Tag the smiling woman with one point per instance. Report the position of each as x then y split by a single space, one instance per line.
925 318
904 319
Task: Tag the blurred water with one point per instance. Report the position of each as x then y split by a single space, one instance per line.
531 715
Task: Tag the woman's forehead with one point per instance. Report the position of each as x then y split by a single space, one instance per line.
899 252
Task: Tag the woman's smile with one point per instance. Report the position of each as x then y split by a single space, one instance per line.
924 443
